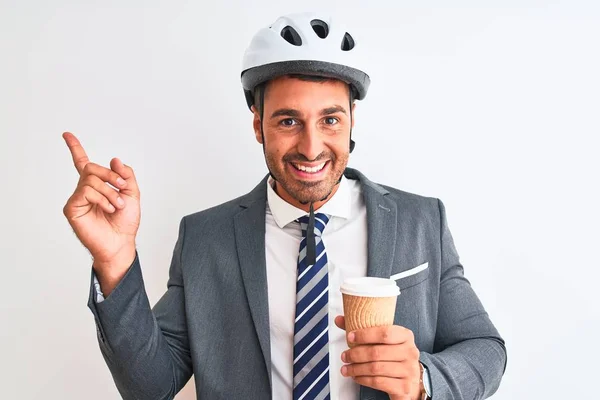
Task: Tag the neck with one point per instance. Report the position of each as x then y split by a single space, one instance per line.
306 207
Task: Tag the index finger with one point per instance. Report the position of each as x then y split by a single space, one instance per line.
80 158
392 334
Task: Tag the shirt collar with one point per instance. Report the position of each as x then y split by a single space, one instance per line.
339 205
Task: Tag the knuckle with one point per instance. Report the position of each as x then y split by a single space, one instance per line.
375 353
372 368
86 190
89 193
385 334
416 353
376 368
88 168
90 180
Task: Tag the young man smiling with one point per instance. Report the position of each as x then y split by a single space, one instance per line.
305 134
253 307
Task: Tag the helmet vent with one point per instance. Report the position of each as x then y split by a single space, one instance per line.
320 27
291 36
347 42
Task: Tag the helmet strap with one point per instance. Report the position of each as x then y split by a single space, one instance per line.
262 132
262 113
352 142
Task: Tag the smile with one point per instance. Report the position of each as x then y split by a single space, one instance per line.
309 170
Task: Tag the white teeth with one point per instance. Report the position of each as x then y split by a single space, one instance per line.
311 170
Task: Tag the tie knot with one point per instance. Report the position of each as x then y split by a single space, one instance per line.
321 221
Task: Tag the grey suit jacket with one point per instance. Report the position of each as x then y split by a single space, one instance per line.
213 320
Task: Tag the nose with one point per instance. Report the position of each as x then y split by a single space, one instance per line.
310 143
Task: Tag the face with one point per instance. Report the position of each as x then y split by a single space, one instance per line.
306 137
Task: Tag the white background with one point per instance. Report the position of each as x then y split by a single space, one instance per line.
491 106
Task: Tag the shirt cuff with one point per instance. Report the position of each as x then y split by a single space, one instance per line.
99 294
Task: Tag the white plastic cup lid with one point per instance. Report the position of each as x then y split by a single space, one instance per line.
370 287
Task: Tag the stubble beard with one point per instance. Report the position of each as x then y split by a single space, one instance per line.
307 192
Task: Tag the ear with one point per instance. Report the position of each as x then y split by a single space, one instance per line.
352 111
256 125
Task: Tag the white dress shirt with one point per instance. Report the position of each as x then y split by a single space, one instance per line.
345 240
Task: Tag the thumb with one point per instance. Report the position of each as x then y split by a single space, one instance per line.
126 172
340 322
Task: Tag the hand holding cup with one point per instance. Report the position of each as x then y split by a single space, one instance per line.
381 355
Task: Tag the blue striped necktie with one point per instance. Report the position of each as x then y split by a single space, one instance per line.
311 337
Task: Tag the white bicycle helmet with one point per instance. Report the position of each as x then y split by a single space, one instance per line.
308 44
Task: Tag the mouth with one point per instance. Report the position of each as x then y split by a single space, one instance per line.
305 171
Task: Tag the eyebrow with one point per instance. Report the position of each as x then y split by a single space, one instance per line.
333 110
290 112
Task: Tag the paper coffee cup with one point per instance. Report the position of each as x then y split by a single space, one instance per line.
369 302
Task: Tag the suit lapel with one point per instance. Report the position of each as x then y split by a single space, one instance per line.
381 229
382 226
250 241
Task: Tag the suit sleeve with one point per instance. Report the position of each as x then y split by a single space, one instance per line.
147 351
469 356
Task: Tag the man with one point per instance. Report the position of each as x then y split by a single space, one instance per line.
253 307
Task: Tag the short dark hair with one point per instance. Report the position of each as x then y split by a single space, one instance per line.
303 77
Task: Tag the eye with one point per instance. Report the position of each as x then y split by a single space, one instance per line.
331 120
288 122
